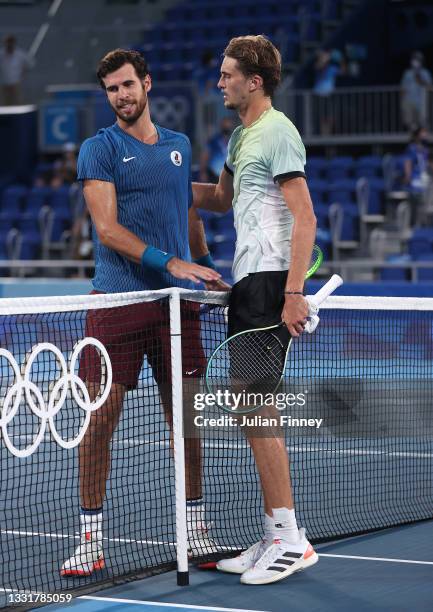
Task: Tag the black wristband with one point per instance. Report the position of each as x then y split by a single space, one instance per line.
293 293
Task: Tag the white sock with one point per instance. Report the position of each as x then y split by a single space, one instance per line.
195 519
284 526
91 522
269 526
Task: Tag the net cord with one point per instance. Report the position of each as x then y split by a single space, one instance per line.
15 306
178 441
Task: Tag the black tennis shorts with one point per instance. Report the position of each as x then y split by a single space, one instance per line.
256 301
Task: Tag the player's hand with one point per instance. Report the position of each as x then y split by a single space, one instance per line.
218 285
295 313
191 271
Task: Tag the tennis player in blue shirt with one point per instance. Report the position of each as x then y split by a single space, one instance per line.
137 187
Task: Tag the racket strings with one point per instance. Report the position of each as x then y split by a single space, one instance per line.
253 361
315 262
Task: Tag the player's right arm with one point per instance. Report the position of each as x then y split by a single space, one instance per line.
217 198
101 201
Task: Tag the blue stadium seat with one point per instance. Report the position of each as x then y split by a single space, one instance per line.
60 205
37 197
342 191
310 27
331 10
238 11
339 168
425 274
31 242
368 166
318 190
421 242
3 240
60 199
8 220
322 215
316 167
172 33
396 274
324 241
376 201
350 228
28 221
13 197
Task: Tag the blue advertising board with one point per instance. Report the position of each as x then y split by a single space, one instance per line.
59 125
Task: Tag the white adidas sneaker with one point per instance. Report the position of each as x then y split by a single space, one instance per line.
244 561
87 558
280 560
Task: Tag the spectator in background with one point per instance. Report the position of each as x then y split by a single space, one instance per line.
329 64
415 178
416 159
414 83
430 164
207 74
65 168
81 237
215 153
13 64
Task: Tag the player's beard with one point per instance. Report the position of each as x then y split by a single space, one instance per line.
140 107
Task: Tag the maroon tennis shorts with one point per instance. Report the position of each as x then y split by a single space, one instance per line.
131 332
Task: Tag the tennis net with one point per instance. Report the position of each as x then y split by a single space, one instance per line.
366 374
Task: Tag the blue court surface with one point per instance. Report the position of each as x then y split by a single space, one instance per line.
390 570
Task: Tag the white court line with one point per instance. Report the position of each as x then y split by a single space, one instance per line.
40 534
353 452
166 605
4 590
375 559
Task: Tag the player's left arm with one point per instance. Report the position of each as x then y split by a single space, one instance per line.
297 197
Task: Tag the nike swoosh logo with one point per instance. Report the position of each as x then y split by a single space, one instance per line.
127 159
191 372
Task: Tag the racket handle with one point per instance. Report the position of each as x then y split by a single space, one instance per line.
319 297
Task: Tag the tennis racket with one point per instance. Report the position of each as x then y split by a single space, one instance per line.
316 261
253 361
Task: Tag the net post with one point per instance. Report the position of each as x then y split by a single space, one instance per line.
178 441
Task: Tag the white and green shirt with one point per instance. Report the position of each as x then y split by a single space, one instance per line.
258 157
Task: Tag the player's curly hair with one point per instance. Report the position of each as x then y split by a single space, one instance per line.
118 58
257 55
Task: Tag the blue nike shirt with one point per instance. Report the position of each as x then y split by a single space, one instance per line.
153 188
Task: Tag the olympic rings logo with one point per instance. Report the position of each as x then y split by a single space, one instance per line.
58 392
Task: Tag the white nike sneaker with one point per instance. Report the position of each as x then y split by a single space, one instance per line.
244 561
88 557
280 560
199 542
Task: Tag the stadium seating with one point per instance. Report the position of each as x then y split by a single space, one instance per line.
13 198
37 197
349 197
342 191
193 27
339 168
396 274
315 168
24 211
425 274
421 242
368 166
